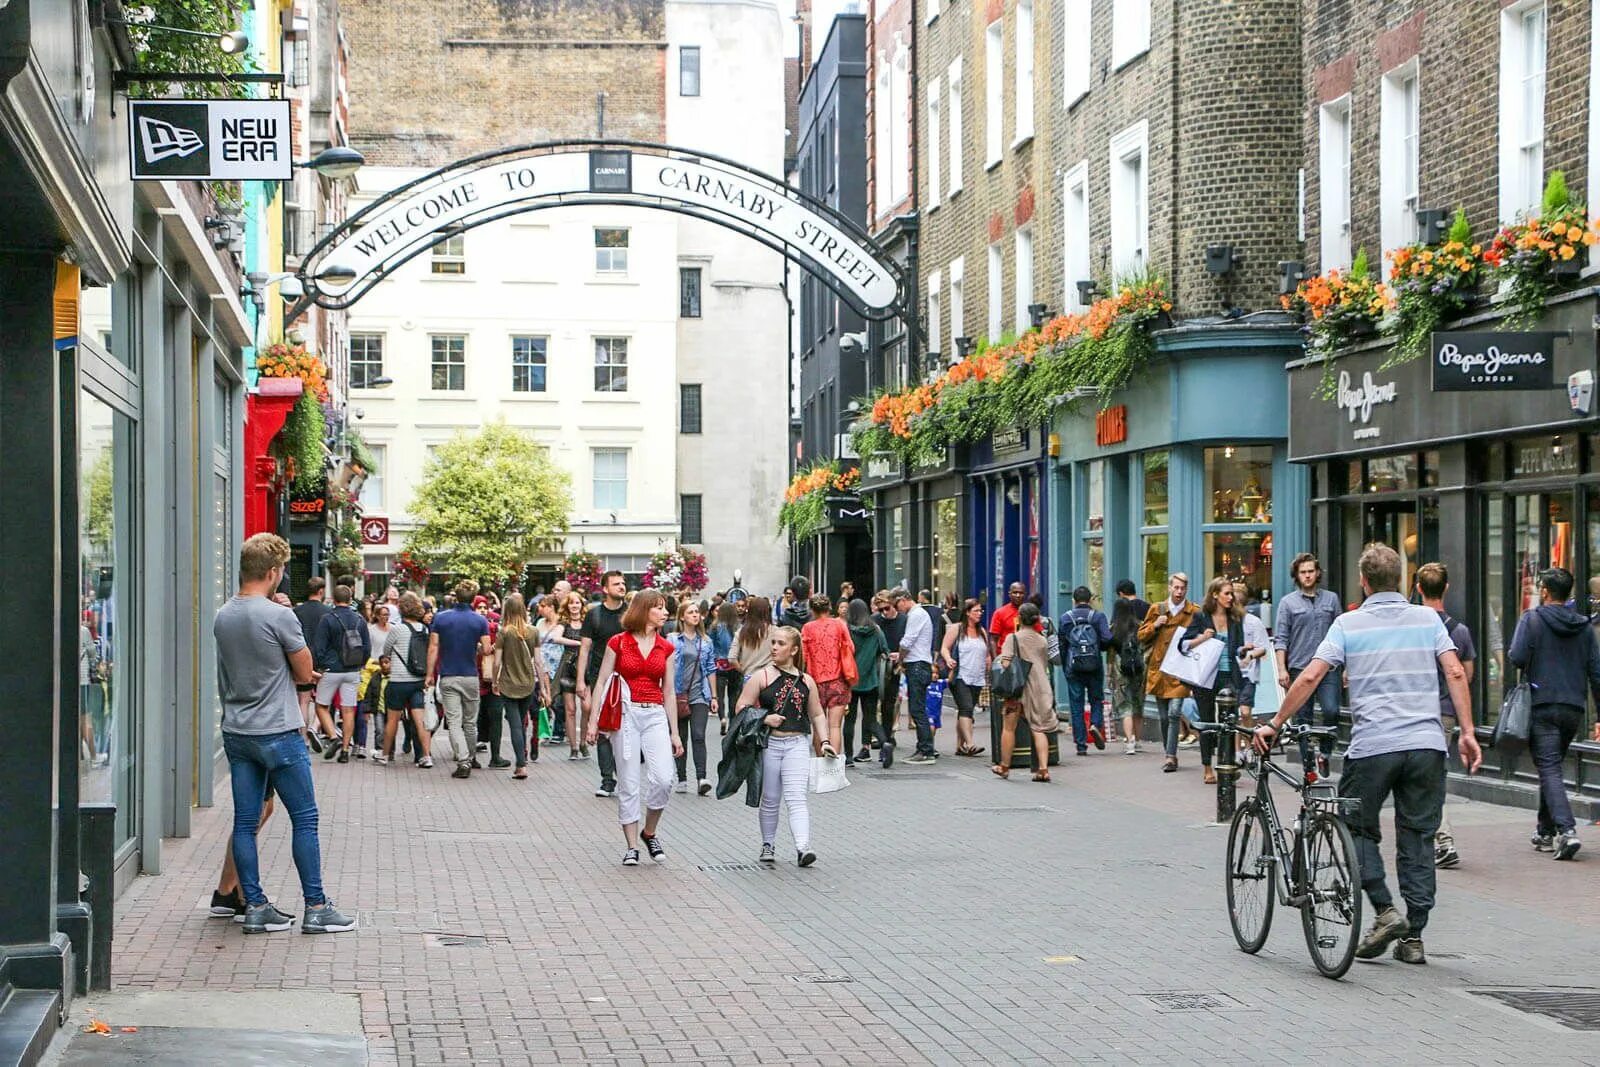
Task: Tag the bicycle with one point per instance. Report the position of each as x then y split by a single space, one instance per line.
1310 865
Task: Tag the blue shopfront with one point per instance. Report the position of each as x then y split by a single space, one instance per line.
1185 470
1008 509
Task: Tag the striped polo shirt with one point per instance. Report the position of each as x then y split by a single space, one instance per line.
1390 650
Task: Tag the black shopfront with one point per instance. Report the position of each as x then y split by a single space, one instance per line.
1484 455
918 517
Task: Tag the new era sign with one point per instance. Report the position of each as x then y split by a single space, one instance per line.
225 140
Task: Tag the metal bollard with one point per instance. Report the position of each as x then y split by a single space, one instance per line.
1227 703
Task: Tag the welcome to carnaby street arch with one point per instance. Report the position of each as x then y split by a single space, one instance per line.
408 221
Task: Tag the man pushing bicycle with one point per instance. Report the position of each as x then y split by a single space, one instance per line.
1389 650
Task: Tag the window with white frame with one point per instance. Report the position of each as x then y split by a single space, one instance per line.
528 364
689 70
958 146
900 123
935 314
1333 172
610 250
996 322
882 157
371 497
1023 273
610 479
450 255
1023 107
1075 265
1130 30
1130 199
611 364
935 107
1522 70
958 311
1398 175
993 101
1075 53
366 359
449 353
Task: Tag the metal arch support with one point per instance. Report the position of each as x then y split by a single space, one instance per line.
807 236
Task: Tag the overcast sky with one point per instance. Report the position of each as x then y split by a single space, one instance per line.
822 12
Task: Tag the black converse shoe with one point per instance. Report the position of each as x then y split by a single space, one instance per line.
805 858
630 858
768 854
653 845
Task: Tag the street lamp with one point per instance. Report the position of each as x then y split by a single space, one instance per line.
233 42
382 381
337 273
335 161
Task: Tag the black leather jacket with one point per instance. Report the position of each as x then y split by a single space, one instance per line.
742 752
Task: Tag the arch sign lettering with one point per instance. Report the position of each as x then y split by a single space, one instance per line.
411 219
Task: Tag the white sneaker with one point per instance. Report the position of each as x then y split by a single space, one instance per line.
1130 748
681 787
705 787
427 761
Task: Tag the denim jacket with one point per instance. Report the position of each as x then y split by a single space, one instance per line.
721 641
687 647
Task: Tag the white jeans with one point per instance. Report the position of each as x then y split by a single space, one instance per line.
786 773
644 730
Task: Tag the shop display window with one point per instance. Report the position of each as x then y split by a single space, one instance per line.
1392 474
1155 566
1244 556
1156 467
1533 457
946 539
1095 502
1239 484
1354 480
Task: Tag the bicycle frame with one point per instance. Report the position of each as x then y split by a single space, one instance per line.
1291 856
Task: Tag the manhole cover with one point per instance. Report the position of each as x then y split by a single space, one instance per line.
456 940
1036 810
1576 1009
820 979
728 867
1172 1002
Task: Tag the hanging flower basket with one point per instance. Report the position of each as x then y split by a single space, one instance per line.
678 569
582 571
283 360
410 569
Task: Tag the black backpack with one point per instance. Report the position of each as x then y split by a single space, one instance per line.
417 651
1083 645
351 652
1130 656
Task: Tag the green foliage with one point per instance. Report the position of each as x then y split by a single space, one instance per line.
1359 268
1460 229
486 501
98 514
182 53
360 452
301 442
1556 198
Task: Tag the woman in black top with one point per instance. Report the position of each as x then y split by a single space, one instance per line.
1221 618
797 726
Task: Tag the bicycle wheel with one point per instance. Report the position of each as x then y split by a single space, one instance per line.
1331 913
1251 892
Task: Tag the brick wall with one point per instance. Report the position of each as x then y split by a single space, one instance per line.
1350 44
886 20
433 81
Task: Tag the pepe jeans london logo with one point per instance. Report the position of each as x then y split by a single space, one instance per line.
1493 361
1357 400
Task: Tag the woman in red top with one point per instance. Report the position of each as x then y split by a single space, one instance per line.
642 658
825 644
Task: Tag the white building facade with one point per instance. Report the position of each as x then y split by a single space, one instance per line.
645 349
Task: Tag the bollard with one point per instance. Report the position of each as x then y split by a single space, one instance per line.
97 857
1227 703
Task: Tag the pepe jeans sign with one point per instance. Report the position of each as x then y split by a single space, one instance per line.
1493 361
224 140
1357 399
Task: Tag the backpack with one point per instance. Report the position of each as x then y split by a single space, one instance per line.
416 651
1083 643
1130 656
351 651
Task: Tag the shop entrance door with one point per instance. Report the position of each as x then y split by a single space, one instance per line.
1411 527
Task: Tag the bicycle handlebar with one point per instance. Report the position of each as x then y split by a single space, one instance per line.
1293 730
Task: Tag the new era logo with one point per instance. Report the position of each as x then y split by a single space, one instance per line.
163 140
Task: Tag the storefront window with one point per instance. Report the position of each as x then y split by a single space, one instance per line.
946 534
104 672
895 545
1245 557
1094 525
1430 469
1155 566
1494 585
1353 477
1155 489
1389 474
1239 484
1538 456
1095 504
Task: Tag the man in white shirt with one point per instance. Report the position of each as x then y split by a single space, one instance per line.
915 659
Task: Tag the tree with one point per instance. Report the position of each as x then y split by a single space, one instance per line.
486 502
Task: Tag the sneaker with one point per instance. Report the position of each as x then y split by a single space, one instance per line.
314 741
681 787
1137 748
425 762
573 755
1189 742
768 854
379 758
1409 950
483 746
1566 844
805 858
1129 749
265 919
330 750
1085 751
1446 856
1389 926
920 757
864 755
606 791
630 858
1098 736
326 919
344 755
1543 842
463 770
886 755
362 753
476 764
499 763
652 844
226 906
705 787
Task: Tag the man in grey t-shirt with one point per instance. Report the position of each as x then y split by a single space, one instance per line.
261 655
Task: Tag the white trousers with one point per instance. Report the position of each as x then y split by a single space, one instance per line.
786 774
644 731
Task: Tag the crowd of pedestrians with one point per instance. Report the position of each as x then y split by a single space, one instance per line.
635 682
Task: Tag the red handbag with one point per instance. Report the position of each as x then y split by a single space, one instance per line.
611 707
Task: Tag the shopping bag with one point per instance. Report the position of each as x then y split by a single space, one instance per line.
1008 681
934 705
827 774
1197 667
430 709
1516 712
544 723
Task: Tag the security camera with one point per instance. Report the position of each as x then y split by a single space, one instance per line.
359 413
291 288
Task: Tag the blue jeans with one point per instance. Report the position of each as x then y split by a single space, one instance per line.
1414 778
1550 734
1326 699
280 760
918 677
1090 687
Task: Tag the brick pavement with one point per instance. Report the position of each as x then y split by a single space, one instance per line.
976 921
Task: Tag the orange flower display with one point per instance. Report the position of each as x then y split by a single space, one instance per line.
283 360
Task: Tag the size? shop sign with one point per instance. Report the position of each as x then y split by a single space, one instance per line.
1471 361
221 140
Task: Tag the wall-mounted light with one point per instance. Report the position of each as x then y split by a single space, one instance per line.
964 347
1038 314
1087 291
1221 259
1431 224
1290 274
233 42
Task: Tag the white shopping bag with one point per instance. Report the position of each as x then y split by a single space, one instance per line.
827 774
1198 666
